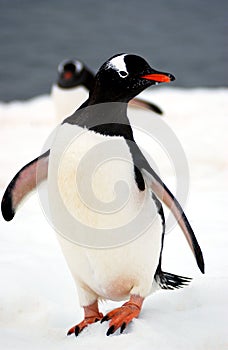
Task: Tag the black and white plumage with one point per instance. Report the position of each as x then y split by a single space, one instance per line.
72 87
134 269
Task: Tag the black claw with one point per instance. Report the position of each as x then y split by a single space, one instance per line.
105 318
123 327
76 331
111 330
69 333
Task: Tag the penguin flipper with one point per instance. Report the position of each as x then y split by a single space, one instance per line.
166 196
25 181
137 102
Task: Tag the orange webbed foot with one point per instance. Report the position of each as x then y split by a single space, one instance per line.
87 321
92 315
123 315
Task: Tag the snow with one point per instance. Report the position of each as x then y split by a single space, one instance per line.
38 299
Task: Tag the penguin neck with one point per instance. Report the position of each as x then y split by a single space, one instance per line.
108 119
111 119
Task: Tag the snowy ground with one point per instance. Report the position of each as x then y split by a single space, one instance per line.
38 300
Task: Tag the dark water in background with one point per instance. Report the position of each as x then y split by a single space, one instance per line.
186 37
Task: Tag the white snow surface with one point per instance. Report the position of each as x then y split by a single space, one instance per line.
38 298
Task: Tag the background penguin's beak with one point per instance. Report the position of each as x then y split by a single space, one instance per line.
67 75
159 77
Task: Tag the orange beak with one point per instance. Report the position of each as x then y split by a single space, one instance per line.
68 75
159 78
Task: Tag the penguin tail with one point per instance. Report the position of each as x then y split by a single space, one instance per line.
166 280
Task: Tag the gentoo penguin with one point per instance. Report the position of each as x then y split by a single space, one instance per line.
133 270
72 87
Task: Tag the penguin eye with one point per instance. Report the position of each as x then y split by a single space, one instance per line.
123 74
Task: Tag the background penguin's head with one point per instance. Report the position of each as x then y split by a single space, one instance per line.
72 73
123 77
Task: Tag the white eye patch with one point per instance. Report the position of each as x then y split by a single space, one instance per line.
78 66
117 63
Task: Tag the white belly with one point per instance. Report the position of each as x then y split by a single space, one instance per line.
89 196
115 273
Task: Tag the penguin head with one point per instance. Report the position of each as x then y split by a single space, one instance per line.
72 73
123 77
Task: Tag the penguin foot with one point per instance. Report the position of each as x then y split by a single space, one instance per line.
92 315
123 315
80 326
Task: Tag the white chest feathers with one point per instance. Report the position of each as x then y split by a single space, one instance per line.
94 177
